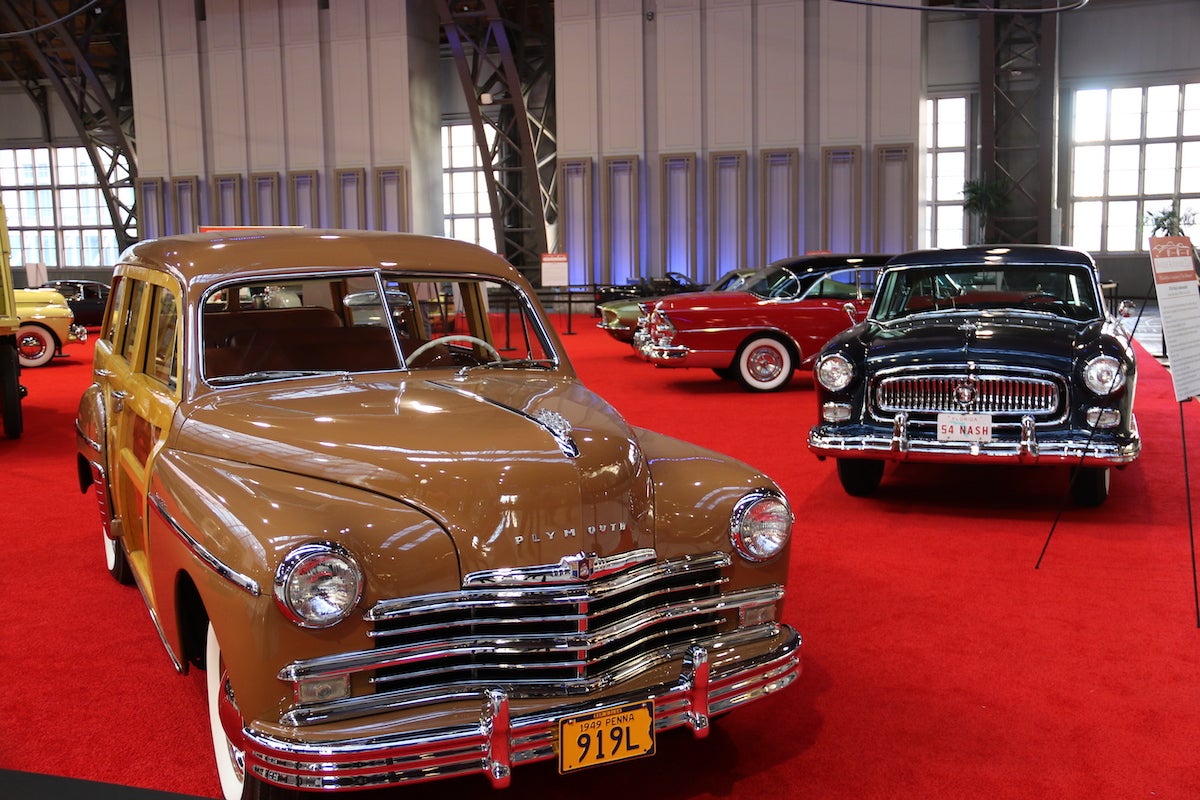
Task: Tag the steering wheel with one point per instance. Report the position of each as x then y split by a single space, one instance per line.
457 337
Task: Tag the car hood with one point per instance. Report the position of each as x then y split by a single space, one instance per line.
479 454
1030 339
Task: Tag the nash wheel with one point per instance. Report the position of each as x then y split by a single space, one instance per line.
231 759
1089 485
10 389
35 345
764 364
860 477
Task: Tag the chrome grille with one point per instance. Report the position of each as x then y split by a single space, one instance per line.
571 635
1038 397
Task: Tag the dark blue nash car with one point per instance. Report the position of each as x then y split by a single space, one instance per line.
986 354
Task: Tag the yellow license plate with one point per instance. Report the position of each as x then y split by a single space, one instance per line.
611 734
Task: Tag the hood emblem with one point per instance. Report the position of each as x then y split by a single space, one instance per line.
560 428
968 327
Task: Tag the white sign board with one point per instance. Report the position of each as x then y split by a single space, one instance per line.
1179 305
555 270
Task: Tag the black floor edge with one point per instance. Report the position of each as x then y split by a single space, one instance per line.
32 786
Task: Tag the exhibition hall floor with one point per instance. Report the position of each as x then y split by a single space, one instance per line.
967 632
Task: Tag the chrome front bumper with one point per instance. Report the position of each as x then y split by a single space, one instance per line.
502 740
1074 447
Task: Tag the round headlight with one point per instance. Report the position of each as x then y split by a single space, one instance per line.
761 525
1104 375
835 372
318 585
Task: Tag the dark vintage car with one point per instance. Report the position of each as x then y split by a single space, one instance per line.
671 283
87 299
775 322
410 545
981 354
620 318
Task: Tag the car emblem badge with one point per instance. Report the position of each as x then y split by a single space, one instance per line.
965 394
581 565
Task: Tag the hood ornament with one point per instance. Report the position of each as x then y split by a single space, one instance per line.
560 428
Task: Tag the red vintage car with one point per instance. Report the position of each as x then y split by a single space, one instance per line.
779 320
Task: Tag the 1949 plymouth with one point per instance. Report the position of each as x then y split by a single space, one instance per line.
409 544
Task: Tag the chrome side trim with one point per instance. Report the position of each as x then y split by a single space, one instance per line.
239 580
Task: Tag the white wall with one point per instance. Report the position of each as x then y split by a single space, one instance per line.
703 135
274 111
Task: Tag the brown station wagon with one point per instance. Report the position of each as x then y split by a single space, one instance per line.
409 544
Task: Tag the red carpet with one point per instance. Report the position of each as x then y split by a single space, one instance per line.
939 662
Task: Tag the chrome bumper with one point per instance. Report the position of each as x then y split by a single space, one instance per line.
501 740
78 333
1074 447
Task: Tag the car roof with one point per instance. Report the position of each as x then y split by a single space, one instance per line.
830 261
201 260
1033 255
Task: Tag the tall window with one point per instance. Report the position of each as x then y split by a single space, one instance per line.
1133 151
55 209
945 172
467 207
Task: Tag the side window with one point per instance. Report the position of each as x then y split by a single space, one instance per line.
164 348
119 298
837 285
129 325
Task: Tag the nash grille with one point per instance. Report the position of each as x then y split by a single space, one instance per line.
1016 395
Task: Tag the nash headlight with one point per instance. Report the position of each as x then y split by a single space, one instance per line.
761 525
318 585
835 372
1103 375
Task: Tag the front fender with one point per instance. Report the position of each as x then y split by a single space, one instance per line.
695 491
228 525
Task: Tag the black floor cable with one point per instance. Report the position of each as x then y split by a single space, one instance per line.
1075 473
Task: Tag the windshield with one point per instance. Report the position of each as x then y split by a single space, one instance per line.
279 328
781 282
1064 291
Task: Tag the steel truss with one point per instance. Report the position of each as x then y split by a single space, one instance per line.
505 61
80 51
1018 119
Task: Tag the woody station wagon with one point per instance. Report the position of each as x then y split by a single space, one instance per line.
408 544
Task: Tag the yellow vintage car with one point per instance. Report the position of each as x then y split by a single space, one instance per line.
47 324
405 548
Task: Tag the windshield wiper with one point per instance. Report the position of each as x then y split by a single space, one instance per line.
270 374
512 363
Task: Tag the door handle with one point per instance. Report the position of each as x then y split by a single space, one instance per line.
119 401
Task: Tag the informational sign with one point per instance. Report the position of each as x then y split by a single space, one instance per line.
1173 262
555 269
